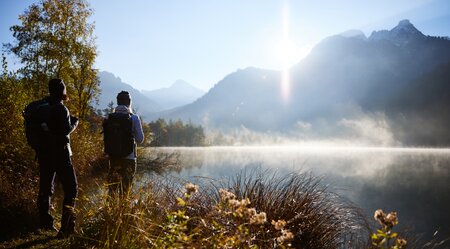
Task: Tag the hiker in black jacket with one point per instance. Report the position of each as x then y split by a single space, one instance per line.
54 158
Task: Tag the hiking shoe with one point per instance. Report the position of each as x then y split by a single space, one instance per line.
50 228
65 234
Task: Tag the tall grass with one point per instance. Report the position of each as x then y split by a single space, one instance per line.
318 217
250 210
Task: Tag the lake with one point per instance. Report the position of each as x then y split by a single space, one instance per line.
415 182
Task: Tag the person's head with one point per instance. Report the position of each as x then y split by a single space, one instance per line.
124 98
57 89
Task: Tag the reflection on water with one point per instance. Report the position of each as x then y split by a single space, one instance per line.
413 182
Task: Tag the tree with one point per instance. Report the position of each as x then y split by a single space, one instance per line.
109 109
4 67
159 131
55 40
176 133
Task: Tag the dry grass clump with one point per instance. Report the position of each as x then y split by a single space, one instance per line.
249 211
317 217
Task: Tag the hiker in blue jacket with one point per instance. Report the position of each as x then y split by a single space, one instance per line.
120 143
54 158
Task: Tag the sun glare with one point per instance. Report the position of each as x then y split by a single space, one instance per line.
286 53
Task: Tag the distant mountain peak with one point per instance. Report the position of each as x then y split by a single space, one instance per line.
405 22
400 34
178 94
180 83
405 26
111 84
354 33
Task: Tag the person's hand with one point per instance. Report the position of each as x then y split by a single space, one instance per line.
73 121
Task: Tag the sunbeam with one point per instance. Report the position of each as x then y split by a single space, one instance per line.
286 54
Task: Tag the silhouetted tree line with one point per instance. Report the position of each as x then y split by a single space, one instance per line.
176 133
440 37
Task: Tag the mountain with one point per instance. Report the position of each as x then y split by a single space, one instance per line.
423 109
235 100
110 86
178 94
369 72
402 33
354 33
347 83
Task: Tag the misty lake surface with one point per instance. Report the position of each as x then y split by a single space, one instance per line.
415 182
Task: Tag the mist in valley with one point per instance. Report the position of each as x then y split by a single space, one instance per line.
388 89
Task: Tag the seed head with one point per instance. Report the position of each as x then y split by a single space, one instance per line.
279 224
234 203
379 215
258 219
191 188
251 211
286 235
226 195
400 242
391 219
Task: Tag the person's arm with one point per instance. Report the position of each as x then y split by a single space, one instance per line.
137 129
61 122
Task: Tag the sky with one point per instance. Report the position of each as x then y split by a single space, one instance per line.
150 44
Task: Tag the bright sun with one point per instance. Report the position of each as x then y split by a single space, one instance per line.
287 53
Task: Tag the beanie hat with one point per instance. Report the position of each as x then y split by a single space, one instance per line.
57 88
124 98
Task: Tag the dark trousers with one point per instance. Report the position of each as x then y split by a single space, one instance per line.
121 174
57 162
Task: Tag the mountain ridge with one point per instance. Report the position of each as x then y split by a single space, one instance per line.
177 94
111 85
343 78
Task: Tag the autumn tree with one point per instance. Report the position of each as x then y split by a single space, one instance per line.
55 40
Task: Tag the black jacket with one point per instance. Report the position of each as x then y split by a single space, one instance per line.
60 124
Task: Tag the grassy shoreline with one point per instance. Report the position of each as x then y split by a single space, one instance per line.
164 213
253 209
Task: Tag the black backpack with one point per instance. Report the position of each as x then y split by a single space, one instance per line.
118 135
36 115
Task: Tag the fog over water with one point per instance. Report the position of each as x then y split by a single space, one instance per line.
415 182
